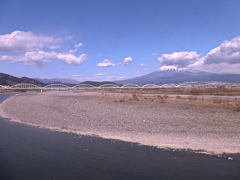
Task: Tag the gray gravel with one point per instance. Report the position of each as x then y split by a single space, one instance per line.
172 124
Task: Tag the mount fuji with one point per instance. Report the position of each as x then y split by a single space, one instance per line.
165 76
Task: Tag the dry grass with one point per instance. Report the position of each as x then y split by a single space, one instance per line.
232 104
217 100
18 90
120 100
134 97
192 98
161 99
178 97
165 96
220 91
235 105
6 90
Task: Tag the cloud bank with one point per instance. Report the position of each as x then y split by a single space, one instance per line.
225 58
19 41
35 50
39 58
179 59
106 63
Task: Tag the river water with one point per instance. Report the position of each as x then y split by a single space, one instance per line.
30 153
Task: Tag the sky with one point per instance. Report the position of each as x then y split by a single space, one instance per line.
118 39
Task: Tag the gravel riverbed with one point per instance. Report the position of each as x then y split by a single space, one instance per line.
165 124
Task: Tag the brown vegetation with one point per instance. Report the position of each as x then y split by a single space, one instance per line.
236 105
220 91
229 103
161 99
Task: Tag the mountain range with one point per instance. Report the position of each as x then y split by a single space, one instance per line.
8 80
157 77
174 76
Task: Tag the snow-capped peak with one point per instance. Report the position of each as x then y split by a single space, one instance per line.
171 68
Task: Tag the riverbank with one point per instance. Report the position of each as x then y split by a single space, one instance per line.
163 123
28 153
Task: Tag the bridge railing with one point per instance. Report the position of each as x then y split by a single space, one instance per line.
83 86
56 86
25 86
131 86
106 86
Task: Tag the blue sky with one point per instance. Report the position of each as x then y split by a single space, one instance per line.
150 34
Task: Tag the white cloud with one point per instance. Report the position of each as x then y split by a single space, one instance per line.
80 77
19 41
28 48
220 68
71 58
38 58
78 45
76 75
121 77
111 78
223 59
29 58
227 52
142 64
178 59
127 60
196 64
101 74
68 38
115 78
106 63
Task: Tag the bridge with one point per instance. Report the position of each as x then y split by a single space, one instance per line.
27 86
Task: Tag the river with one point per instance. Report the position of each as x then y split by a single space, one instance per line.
32 153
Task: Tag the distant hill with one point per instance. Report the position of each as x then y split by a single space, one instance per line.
72 82
57 80
9 80
173 76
